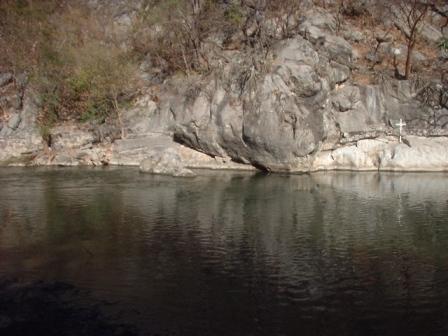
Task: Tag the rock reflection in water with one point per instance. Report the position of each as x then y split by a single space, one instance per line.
238 253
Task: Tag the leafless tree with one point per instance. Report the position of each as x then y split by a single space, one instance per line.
285 14
410 18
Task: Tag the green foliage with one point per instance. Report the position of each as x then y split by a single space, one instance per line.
81 71
235 15
101 77
443 45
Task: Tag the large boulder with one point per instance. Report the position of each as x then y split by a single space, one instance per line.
346 98
338 49
165 163
268 119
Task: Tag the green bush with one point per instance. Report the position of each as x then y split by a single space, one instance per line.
77 70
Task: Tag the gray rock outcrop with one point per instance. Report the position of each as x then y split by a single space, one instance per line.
266 119
282 112
294 107
285 115
165 163
5 78
386 154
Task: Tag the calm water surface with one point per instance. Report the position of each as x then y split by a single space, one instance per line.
236 253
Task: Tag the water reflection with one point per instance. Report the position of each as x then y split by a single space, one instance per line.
238 253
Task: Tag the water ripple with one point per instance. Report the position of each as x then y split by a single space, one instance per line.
239 254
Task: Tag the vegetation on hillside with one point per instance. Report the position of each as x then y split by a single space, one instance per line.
179 35
82 69
78 71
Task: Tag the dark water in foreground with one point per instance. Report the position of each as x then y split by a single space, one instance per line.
229 253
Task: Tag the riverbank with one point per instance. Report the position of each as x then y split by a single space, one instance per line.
323 96
74 147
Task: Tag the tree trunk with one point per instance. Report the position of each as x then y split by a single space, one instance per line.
407 70
184 58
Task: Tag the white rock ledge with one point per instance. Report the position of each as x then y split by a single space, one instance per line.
380 154
386 154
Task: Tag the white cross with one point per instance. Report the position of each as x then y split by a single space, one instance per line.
400 124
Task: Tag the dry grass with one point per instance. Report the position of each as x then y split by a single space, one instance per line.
74 63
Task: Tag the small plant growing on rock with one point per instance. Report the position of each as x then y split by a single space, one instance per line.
443 45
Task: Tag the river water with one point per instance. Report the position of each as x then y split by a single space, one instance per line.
225 253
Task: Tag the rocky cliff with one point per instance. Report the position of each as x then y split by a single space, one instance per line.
318 99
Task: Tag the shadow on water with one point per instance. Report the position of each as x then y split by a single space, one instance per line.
230 253
55 308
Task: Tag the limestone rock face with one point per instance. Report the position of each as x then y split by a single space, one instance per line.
338 48
14 121
363 155
165 163
422 154
132 151
299 102
11 125
339 73
20 140
276 117
346 98
417 154
137 120
20 150
71 136
5 78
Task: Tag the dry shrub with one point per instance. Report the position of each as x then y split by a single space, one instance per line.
174 33
77 70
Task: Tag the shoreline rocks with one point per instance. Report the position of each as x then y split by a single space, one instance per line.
387 154
301 106
416 153
165 163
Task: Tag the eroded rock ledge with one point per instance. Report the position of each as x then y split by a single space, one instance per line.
157 153
416 154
